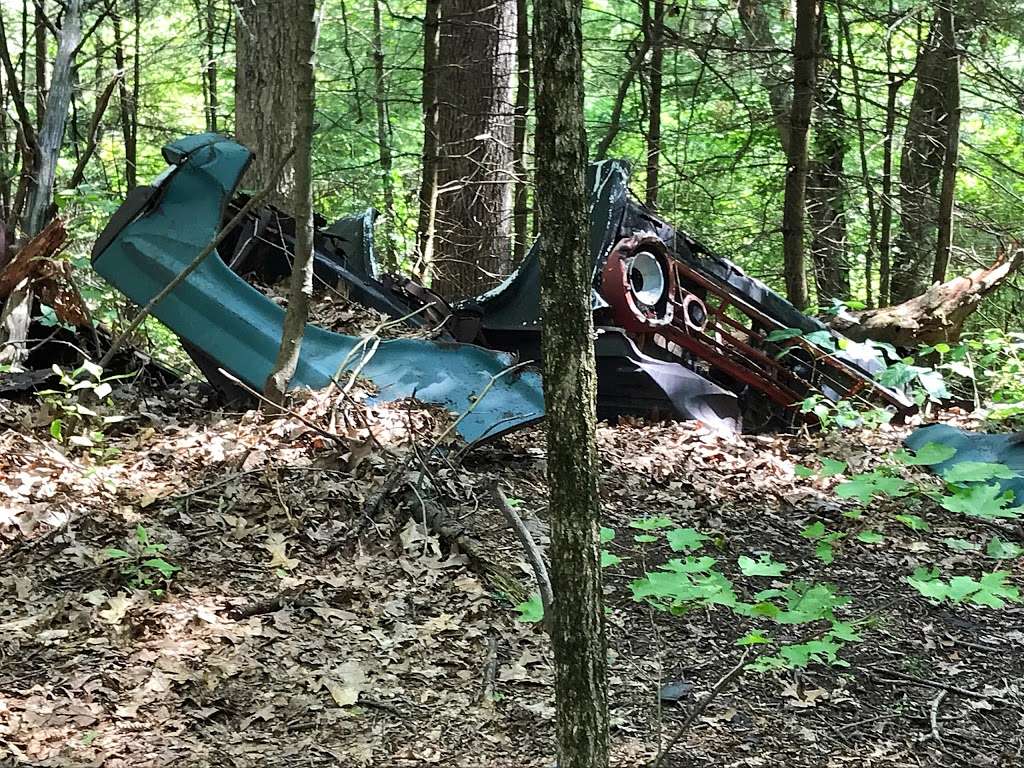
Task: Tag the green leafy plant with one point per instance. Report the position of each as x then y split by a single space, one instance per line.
76 423
991 590
142 564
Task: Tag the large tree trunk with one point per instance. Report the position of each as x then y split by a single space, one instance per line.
476 69
804 55
299 62
924 144
428 181
826 210
570 383
266 98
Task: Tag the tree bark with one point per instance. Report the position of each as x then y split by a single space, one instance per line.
128 101
654 79
300 62
804 55
888 134
775 78
475 78
826 210
578 632
383 143
51 129
428 181
521 210
951 97
266 99
924 143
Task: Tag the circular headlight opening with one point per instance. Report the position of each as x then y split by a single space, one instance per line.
646 278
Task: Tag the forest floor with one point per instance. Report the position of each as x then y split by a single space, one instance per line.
314 621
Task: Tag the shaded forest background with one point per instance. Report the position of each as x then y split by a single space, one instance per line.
696 95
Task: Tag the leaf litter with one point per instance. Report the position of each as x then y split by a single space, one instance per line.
343 600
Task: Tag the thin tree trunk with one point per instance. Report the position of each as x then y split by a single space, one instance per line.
952 101
577 630
383 142
211 67
521 211
129 119
428 181
826 210
804 55
300 291
618 103
654 106
862 144
776 81
54 122
47 145
42 56
888 133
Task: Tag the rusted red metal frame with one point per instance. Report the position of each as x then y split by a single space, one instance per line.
818 356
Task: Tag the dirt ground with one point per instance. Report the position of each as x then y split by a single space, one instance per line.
314 621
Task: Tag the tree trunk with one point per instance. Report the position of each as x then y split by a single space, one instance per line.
128 102
654 79
476 69
951 96
266 99
521 210
775 78
299 64
206 17
888 134
16 313
577 630
862 151
804 55
924 143
428 182
383 143
826 210
51 129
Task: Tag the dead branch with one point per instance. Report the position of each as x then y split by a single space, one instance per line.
700 706
533 553
937 315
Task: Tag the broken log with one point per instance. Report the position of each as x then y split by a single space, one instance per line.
937 315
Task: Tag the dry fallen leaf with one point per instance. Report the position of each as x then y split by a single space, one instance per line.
119 605
276 546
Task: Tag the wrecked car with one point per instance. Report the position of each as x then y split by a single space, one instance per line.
681 332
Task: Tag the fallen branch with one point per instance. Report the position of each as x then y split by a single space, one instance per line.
533 553
937 315
700 706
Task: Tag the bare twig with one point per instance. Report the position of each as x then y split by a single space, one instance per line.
319 430
533 553
700 706
197 261
934 684
935 716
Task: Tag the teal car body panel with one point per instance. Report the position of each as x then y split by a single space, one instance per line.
240 328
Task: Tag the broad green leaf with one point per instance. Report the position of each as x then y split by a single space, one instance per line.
870 537
832 467
753 638
685 539
986 501
928 455
763 566
650 523
644 538
113 553
532 610
913 522
158 563
1003 550
814 531
607 534
977 472
608 559
961 545
783 334
865 487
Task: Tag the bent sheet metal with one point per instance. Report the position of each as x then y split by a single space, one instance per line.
160 229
